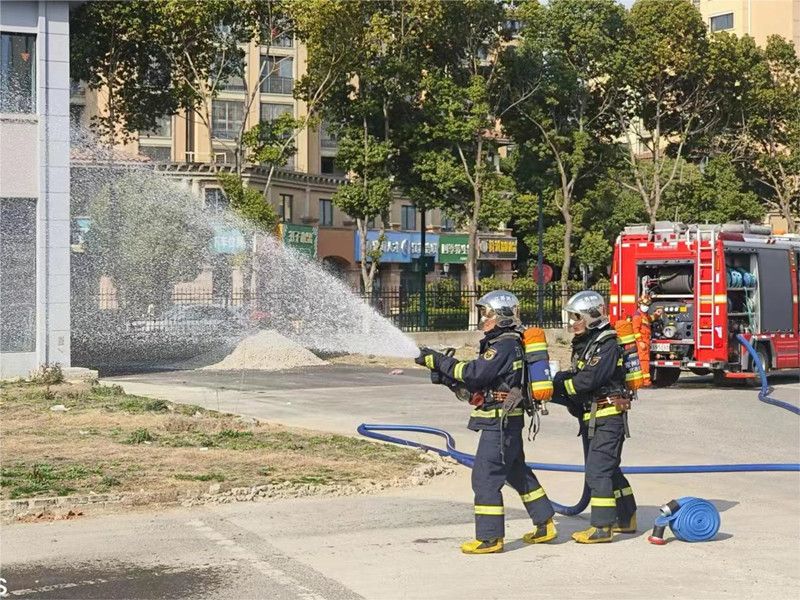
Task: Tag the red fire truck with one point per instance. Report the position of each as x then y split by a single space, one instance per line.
711 282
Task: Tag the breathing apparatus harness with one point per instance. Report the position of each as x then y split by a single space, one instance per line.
605 397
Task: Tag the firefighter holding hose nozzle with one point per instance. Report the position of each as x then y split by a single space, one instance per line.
595 391
494 384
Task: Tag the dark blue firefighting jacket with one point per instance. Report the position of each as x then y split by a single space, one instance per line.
498 368
597 368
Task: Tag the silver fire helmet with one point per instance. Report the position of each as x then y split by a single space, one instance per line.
501 304
588 306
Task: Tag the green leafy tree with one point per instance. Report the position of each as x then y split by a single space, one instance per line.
146 257
763 133
371 100
713 194
558 97
367 195
460 104
663 70
159 57
247 202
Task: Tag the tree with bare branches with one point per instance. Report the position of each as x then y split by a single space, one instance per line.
667 99
560 104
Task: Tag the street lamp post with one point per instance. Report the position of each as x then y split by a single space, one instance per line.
540 265
423 309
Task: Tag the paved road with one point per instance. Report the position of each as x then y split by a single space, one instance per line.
403 544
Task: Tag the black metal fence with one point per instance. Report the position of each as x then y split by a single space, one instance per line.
449 309
445 308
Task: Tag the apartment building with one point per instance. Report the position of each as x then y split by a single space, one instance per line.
302 191
756 18
34 186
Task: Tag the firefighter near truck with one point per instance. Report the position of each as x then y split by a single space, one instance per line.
708 284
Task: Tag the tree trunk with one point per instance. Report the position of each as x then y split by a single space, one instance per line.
567 263
786 211
365 266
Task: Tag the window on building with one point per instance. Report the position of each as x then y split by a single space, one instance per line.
226 118
234 83
216 200
277 74
157 153
721 22
371 223
408 217
277 36
18 268
325 212
163 128
271 111
285 208
17 72
328 166
327 138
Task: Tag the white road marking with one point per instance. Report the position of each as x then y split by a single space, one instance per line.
260 565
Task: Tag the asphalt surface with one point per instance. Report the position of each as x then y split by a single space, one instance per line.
404 543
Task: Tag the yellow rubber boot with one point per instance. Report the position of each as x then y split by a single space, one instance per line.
629 527
541 534
482 546
593 535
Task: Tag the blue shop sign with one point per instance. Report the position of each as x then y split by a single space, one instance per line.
398 247
228 241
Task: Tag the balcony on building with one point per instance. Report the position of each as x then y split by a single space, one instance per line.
327 139
277 75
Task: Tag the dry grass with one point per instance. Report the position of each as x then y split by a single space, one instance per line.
109 441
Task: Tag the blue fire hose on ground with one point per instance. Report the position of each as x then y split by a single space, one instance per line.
697 519
763 395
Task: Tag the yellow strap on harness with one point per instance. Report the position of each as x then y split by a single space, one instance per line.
496 413
603 412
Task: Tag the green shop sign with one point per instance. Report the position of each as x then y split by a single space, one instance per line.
302 238
453 248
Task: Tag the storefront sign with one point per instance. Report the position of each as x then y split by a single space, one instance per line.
453 249
497 248
302 238
398 247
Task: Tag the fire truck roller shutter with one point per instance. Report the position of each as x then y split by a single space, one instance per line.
776 297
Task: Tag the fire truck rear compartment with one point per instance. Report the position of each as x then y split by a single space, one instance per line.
671 285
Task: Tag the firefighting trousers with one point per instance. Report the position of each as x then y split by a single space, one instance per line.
612 496
491 471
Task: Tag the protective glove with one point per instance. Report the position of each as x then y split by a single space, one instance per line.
558 383
424 353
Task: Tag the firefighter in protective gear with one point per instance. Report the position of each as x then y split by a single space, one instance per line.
642 322
594 391
495 378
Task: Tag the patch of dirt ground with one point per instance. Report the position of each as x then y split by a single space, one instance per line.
101 440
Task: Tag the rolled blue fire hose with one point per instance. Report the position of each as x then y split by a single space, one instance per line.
690 520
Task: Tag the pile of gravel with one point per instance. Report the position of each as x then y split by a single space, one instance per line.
267 351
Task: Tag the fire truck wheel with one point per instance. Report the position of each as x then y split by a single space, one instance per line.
665 376
720 379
